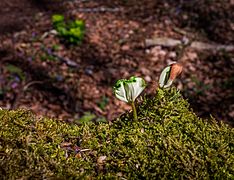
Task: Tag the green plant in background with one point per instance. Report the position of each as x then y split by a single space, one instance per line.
103 102
15 70
72 31
89 117
169 74
46 56
86 118
55 47
129 90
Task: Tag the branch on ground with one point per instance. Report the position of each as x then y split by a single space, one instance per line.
200 46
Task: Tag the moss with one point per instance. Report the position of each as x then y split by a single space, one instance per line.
168 141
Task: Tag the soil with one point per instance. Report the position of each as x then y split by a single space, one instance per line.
66 81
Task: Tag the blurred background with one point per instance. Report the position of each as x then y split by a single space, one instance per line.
61 58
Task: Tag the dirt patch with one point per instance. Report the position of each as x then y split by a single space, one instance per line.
216 20
19 14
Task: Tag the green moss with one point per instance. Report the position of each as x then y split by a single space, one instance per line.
168 141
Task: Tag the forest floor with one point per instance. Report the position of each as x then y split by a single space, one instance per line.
38 71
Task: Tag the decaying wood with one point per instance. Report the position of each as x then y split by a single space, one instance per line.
205 46
169 42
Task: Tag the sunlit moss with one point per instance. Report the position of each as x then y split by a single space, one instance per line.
168 141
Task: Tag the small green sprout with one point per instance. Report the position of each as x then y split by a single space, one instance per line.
169 74
57 18
129 90
71 31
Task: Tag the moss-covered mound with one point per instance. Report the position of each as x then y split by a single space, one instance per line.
168 141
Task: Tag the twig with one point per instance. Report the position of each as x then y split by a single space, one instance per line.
68 62
26 86
180 31
101 9
216 47
169 42
83 150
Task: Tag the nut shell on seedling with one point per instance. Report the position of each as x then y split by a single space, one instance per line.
176 70
169 74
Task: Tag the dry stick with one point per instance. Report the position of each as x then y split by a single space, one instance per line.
68 62
95 10
216 47
170 42
30 84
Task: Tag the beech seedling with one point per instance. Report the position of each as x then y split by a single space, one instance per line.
128 90
169 74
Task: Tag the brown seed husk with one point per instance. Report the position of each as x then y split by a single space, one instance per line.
176 70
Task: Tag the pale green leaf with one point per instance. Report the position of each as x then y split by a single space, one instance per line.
119 91
164 81
129 90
